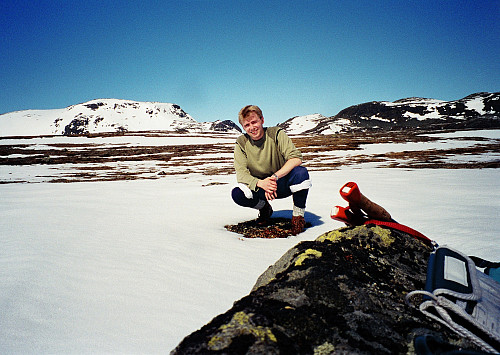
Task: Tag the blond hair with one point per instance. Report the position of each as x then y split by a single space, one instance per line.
245 111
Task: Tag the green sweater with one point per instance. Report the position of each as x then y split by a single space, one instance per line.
256 160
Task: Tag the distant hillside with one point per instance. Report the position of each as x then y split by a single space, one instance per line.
107 115
481 110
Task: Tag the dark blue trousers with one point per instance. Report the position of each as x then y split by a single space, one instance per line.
295 184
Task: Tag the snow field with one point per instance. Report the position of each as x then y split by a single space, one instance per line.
135 266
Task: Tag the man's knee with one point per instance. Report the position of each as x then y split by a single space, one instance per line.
238 196
299 173
299 179
243 196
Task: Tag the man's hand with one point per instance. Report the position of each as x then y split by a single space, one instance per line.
269 185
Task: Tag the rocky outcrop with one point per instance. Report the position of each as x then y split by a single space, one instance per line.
342 293
481 109
225 126
476 111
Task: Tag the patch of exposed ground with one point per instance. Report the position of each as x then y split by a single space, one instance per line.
276 228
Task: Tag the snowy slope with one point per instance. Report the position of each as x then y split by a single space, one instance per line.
102 115
300 124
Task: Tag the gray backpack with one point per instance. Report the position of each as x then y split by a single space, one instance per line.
462 298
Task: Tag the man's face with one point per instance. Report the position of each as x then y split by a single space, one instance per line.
253 125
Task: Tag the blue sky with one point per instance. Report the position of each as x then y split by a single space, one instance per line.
213 57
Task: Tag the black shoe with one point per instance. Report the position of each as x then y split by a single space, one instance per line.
265 214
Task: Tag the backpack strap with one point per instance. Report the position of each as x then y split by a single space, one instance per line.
492 269
484 263
272 132
241 141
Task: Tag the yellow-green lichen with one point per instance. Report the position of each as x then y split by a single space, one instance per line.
308 253
331 236
384 234
343 233
240 324
324 349
218 343
359 231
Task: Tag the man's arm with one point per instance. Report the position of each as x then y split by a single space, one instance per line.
270 184
289 165
241 166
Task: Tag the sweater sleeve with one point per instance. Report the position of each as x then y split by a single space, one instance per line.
241 166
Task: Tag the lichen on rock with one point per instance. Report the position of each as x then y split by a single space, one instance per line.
359 232
240 325
307 254
342 293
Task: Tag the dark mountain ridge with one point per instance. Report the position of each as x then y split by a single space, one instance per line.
480 110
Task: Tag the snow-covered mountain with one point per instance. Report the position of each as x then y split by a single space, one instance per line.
481 110
107 115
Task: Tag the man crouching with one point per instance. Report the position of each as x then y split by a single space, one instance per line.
268 166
